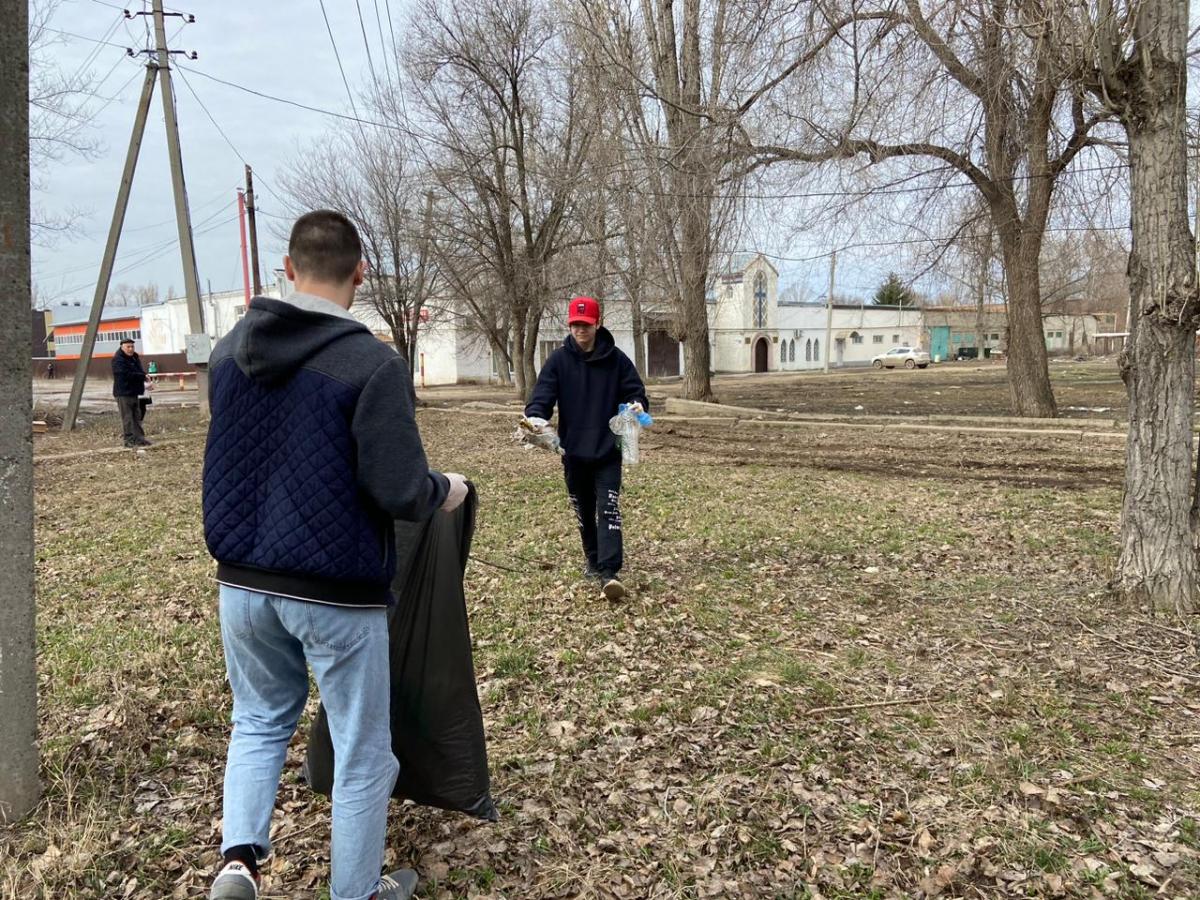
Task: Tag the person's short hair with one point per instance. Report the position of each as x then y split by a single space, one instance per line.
325 246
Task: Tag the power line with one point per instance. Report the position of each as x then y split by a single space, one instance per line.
367 44
171 221
117 95
154 253
220 130
92 56
801 195
228 141
157 245
338 57
83 37
295 103
383 50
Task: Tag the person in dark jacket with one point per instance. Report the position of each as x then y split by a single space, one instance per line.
588 378
129 383
312 454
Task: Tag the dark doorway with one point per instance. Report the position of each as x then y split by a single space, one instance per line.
662 354
761 353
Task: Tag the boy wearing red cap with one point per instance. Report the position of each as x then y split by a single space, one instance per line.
588 378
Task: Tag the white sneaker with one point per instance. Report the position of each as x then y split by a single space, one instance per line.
234 882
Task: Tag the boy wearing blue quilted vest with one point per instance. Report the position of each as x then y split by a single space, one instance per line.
312 453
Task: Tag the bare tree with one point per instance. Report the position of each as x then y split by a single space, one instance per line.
627 228
498 97
1132 55
1014 120
690 81
133 294
366 175
653 50
61 112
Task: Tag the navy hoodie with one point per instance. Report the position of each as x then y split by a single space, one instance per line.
312 452
588 389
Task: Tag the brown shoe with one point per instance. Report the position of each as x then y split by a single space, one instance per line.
614 590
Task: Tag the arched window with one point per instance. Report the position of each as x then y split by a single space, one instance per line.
816 349
760 301
782 352
808 350
791 351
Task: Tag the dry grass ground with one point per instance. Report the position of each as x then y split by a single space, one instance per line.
849 669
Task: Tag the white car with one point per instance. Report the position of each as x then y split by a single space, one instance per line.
909 357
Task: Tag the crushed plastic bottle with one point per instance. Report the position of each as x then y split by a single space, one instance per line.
534 432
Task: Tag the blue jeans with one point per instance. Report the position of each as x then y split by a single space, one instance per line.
267 640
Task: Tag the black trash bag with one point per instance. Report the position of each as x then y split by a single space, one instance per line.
437 724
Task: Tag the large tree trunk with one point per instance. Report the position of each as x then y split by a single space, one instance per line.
639 330
696 362
523 382
1029 388
694 251
1157 565
503 362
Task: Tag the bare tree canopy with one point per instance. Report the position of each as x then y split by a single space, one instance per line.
366 175
61 113
499 101
1008 118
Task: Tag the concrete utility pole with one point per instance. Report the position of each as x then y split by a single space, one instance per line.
110 249
253 231
198 339
829 311
19 787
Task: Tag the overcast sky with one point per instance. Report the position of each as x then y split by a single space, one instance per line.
280 49
283 49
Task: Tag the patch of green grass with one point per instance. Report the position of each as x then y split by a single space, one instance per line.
516 662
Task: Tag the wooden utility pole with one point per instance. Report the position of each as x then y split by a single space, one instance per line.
18 674
110 249
829 311
253 232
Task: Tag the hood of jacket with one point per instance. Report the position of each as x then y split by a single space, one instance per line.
602 347
276 338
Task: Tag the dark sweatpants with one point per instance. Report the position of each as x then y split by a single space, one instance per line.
594 489
131 420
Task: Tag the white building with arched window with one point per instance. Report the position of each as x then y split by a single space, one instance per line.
752 331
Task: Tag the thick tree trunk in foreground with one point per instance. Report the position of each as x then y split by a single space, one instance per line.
1157 565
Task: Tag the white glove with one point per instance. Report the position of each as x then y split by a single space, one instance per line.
457 493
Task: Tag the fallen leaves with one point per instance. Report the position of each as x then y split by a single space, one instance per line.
847 671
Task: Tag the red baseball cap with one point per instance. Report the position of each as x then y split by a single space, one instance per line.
583 309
